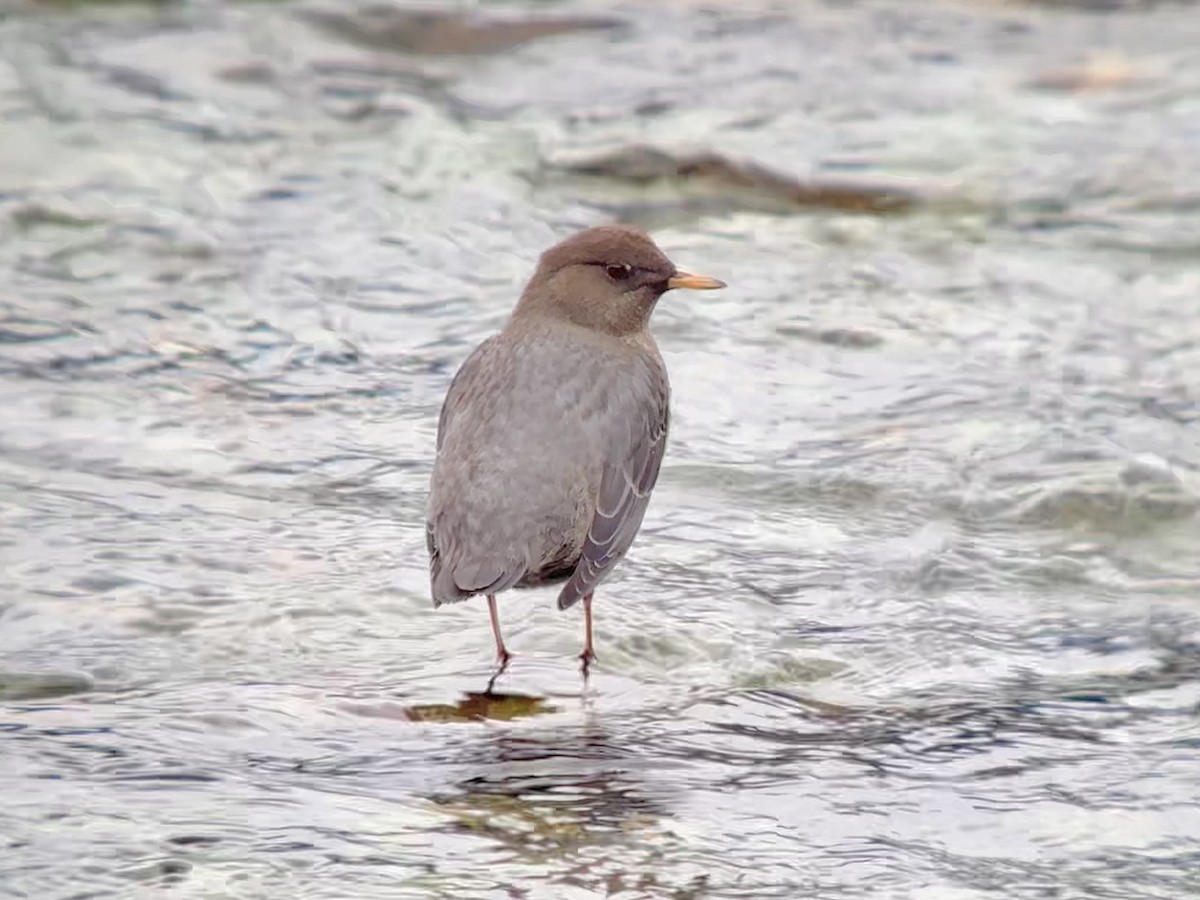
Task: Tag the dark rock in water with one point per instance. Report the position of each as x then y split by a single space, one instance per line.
849 338
16 5
30 216
41 686
143 83
1094 75
444 32
757 184
475 706
1125 502
249 72
1102 6
481 705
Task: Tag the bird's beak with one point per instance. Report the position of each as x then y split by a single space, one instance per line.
695 282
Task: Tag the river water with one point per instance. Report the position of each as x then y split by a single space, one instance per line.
916 609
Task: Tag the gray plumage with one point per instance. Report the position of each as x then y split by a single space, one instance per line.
553 431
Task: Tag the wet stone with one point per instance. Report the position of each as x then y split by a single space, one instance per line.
849 338
41 686
444 32
749 181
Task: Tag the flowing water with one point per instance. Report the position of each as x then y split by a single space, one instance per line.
916 609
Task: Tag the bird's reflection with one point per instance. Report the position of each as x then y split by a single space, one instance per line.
555 791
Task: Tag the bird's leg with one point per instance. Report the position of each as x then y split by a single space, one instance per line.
502 654
588 654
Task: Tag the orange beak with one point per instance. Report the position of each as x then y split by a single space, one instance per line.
695 282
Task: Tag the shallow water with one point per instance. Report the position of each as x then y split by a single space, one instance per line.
916 609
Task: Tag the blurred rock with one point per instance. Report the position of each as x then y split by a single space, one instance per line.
250 72
1098 74
1096 5
71 4
642 165
849 338
1136 497
474 706
143 83
41 686
444 32
29 216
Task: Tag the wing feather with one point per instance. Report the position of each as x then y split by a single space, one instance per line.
624 494
458 566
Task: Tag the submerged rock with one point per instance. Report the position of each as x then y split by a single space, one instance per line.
1095 6
444 32
848 338
42 685
1098 74
474 706
751 182
1134 498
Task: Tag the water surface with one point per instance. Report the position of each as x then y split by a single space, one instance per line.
915 609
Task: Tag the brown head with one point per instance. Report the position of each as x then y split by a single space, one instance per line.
607 278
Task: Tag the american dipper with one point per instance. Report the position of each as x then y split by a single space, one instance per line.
552 433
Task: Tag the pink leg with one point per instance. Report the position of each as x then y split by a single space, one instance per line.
588 654
502 654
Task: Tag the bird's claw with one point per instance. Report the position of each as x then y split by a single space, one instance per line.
586 658
501 666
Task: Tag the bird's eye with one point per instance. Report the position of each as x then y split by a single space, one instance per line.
618 273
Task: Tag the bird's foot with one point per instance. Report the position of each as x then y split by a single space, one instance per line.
586 658
501 667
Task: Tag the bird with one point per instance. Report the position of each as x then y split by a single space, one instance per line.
552 432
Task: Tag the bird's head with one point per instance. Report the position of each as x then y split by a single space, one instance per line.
607 278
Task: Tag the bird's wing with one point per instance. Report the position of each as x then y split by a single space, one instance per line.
621 502
462 384
459 566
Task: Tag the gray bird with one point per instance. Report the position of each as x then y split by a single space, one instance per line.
552 433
